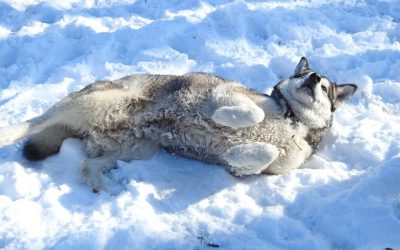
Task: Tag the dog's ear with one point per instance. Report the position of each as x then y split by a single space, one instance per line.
344 92
302 66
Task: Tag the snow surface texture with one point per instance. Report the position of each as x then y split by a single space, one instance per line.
345 197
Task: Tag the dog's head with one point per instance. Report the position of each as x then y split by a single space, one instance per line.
313 97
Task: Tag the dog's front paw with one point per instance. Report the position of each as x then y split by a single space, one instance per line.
251 158
240 116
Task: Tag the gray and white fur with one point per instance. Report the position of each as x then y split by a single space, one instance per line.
197 115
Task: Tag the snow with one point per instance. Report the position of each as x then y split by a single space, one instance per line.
345 197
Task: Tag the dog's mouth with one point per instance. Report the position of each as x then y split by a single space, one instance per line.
310 83
308 90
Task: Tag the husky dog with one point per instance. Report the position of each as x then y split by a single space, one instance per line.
196 115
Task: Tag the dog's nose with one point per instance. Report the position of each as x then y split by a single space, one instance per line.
315 78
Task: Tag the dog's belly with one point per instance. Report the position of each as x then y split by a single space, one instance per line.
179 120
201 139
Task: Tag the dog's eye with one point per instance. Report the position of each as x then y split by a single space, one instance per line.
324 89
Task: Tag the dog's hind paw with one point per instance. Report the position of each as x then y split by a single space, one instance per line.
93 176
93 171
251 158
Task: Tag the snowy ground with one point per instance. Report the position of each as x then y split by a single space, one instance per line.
348 197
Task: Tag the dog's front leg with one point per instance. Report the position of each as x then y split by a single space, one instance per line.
240 116
93 170
237 110
251 158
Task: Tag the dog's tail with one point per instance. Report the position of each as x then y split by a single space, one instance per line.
14 133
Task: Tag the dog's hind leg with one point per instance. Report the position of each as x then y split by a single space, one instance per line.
46 142
93 170
139 149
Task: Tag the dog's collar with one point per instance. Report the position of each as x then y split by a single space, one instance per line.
279 97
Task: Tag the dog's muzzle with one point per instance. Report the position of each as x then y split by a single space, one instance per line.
311 82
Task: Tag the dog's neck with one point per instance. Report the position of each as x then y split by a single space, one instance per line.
314 135
283 102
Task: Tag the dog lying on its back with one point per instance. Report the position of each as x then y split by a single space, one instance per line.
196 115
